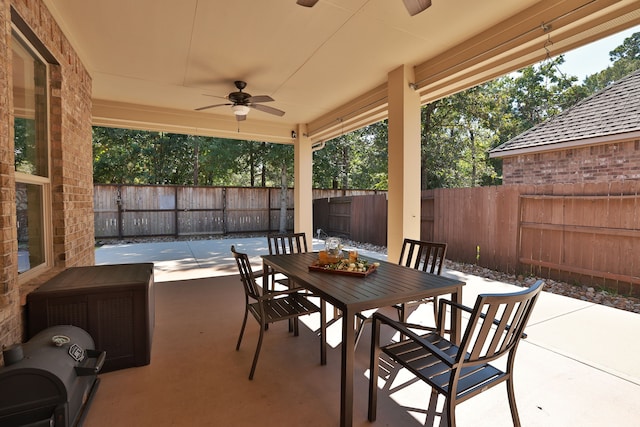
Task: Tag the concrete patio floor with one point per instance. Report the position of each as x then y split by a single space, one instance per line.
578 366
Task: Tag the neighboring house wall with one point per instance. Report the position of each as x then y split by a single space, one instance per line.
71 167
596 140
597 163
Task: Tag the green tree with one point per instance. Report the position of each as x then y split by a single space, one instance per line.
218 161
625 60
24 143
354 160
327 164
369 158
457 132
171 159
540 92
278 169
117 155
629 49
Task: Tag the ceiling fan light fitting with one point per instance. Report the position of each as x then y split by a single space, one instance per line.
240 110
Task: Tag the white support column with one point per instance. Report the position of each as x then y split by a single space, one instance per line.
404 161
303 184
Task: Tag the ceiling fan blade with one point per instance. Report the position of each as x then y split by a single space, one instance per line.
267 109
211 106
216 96
260 98
307 3
414 7
240 117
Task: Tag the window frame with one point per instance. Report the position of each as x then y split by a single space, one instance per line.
44 182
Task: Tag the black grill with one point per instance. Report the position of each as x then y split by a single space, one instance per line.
50 380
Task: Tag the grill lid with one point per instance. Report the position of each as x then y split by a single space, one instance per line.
53 362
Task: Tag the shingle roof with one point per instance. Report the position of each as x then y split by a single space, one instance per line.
611 111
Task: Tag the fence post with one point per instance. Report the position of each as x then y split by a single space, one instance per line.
175 211
119 204
224 210
269 209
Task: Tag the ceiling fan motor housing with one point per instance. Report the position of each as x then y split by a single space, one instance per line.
239 97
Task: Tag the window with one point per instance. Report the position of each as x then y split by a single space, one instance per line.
31 149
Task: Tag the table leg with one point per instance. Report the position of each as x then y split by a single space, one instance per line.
456 320
346 374
265 287
323 332
265 276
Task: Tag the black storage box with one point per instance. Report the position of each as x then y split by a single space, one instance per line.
113 303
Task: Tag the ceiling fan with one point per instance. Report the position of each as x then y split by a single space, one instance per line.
242 102
413 6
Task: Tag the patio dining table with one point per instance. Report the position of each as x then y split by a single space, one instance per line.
389 284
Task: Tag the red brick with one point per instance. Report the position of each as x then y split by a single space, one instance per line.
71 163
600 163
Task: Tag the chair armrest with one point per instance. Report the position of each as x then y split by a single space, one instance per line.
403 328
443 301
442 313
273 294
469 310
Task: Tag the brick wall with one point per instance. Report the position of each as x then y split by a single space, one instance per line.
71 163
598 163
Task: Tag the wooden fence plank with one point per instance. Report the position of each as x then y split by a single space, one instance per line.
155 210
588 233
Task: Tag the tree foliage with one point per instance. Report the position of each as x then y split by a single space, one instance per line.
457 133
625 60
124 156
354 160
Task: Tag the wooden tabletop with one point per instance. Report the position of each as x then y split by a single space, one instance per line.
388 285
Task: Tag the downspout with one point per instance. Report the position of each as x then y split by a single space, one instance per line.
317 146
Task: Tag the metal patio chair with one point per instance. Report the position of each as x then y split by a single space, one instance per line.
494 330
285 243
424 256
420 255
273 306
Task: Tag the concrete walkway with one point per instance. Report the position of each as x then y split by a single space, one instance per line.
588 350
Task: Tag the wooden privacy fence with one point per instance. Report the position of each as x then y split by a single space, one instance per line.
125 211
359 218
582 233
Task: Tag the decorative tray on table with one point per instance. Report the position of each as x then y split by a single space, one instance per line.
358 268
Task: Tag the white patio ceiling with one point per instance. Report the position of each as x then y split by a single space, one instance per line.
154 61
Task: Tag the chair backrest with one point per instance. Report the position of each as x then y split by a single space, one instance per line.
287 243
422 255
496 325
251 287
